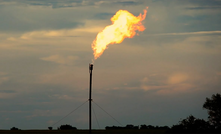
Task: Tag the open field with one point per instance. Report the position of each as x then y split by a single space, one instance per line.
149 131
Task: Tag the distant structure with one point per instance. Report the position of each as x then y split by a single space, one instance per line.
90 71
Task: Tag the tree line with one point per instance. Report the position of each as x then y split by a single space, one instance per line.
189 125
192 124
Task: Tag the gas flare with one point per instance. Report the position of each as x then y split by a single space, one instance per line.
124 25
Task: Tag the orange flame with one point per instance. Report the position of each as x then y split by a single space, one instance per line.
124 25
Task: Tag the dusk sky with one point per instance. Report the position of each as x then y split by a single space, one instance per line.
158 77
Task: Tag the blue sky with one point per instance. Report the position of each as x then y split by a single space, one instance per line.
156 78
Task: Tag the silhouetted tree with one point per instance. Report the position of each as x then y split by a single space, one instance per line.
50 128
143 126
164 127
14 128
131 127
150 127
120 127
191 125
213 107
113 127
67 127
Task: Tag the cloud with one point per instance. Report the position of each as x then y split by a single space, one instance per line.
7 91
203 3
170 84
143 83
154 83
76 32
179 83
192 33
178 89
218 73
23 18
48 3
204 7
3 73
177 78
103 15
67 76
70 4
65 97
74 38
60 59
42 113
7 95
7 2
3 77
128 2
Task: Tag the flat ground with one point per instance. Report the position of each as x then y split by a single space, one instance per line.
149 131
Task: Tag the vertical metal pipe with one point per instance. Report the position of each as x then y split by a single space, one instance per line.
90 70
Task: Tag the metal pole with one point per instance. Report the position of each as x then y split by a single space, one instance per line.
90 70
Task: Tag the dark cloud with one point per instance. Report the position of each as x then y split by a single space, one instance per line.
103 16
20 21
53 3
201 3
202 8
72 3
17 19
128 3
206 3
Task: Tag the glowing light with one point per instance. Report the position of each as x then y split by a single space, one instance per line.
124 25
